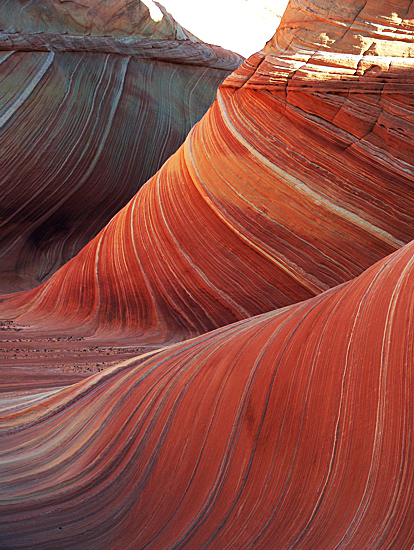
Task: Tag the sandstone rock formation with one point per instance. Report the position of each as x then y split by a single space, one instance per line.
298 178
290 429
86 120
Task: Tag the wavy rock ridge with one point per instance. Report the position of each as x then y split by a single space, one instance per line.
298 178
289 429
84 122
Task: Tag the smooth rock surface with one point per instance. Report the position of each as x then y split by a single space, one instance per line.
290 429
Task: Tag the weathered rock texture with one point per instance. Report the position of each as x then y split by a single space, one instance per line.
84 122
291 429
93 17
298 178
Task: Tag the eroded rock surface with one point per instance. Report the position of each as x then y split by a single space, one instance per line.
93 17
288 429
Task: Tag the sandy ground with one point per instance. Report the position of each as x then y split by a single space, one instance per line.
30 361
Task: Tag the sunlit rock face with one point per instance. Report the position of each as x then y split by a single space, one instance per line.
360 27
290 429
298 178
84 122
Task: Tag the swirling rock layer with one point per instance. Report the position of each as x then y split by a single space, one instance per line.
81 131
291 429
298 178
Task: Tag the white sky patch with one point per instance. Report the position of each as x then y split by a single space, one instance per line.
156 13
243 26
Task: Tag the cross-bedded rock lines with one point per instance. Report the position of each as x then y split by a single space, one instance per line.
290 429
298 178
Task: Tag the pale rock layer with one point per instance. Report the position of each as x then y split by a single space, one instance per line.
93 17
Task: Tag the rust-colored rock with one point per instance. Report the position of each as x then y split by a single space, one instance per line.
86 120
291 429
353 27
298 178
